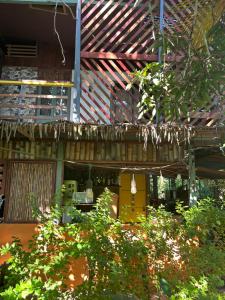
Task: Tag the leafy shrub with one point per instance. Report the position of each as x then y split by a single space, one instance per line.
160 256
206 220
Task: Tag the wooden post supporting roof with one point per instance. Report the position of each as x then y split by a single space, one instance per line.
193 196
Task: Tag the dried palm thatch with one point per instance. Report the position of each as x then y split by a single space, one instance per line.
64 130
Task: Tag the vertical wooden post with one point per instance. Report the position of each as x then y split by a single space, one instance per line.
193 195
77 79
59 171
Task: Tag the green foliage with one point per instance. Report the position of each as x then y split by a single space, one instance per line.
173 90
160 255
196 290
206 220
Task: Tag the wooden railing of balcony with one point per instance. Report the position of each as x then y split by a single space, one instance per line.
35 100
116 40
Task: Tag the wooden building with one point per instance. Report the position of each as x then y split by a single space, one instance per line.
66 114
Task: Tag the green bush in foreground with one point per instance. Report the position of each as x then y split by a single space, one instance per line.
159 256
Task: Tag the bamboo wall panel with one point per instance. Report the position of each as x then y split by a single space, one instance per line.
91 151
29 180
27 150
122 152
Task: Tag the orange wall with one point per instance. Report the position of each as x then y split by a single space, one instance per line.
24 232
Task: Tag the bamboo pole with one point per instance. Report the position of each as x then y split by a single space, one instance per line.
145 155
1 151
140 150
49 150
134 152
37 83
123 150
77 154
72 151
118 154
82 151
37 150
103 151
27 148
32 150
154 153
67 153
150 152
92 151
53 150
87 151
129 152
5 152
10 150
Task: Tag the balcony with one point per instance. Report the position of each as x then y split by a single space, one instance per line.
40 101
35 101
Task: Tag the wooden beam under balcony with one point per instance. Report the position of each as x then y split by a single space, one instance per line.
134 56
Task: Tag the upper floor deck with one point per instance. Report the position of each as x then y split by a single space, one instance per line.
84 80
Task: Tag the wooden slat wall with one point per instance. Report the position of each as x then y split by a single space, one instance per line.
104 97
29 179
115 27
123 30
118 26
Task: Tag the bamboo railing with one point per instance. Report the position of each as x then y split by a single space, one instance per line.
35 100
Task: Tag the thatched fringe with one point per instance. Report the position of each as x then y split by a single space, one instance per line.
167 133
